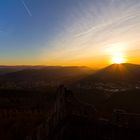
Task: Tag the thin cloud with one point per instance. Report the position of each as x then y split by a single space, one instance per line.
1 31
88 35
26 8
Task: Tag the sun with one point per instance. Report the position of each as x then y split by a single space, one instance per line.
117 52
118 59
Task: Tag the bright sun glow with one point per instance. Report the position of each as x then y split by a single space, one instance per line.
118 59
117 52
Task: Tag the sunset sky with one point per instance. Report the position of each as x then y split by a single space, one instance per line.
92 33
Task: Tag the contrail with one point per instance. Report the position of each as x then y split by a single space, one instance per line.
26 8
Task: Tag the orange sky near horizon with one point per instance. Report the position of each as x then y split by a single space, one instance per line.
101 35
93 33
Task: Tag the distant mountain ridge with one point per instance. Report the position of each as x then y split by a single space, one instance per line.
10 69
116 73
46 73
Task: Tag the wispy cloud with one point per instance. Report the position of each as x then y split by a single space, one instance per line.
1 31
26 8
101 24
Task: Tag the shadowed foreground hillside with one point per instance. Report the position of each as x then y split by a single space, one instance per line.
101 106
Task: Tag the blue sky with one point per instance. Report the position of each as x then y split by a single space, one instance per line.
67 32
27 25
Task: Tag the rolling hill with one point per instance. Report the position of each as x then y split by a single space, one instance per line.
116 73
10 69
47 74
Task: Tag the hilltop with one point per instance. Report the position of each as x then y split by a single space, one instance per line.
116 73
